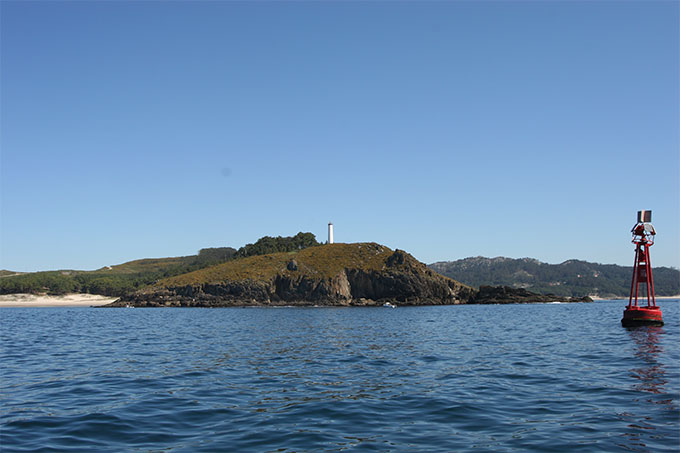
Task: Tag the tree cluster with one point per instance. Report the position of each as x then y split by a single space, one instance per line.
278 244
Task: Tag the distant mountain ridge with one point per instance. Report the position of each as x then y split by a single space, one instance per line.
572 278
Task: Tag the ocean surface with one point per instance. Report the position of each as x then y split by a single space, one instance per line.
544 377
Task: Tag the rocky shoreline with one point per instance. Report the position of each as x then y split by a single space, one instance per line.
508 295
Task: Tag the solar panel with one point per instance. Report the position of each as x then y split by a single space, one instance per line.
644 216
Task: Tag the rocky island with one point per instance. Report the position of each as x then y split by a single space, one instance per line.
332 274
361 274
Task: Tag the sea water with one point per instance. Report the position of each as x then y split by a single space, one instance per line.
540 377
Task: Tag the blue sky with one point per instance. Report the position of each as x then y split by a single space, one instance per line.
447 129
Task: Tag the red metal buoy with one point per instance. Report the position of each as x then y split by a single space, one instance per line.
635 315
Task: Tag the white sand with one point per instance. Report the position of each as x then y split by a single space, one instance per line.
596 298
68 300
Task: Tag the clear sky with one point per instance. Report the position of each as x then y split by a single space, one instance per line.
447 129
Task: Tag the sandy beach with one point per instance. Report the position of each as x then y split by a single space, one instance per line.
596 298
68 300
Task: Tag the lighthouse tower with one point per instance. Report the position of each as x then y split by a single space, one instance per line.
330 233
634 314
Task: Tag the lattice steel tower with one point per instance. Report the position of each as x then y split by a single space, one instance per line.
635 315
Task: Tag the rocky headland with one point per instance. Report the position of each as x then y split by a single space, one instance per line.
363 274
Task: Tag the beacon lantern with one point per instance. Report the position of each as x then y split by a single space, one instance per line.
642 285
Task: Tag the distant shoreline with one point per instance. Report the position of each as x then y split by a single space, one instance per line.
67 300
94 300
595 298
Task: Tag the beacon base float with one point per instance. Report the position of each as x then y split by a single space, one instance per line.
642 316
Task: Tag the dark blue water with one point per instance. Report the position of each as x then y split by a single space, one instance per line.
560 377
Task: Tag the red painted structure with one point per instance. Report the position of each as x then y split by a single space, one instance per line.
634 314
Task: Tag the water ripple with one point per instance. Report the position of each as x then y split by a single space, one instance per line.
518 378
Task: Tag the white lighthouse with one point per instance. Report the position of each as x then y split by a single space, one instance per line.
330 233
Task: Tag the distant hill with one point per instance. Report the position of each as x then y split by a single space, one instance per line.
572 278
111 280
6 273
129 277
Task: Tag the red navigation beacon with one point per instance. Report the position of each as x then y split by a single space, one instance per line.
635 315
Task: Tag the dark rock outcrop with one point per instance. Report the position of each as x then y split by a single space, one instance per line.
508 295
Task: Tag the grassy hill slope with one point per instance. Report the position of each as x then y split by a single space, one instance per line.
316 262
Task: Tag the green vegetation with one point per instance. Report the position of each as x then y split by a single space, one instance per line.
572 278
52 282
5 273
114 280
128 277
267 245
